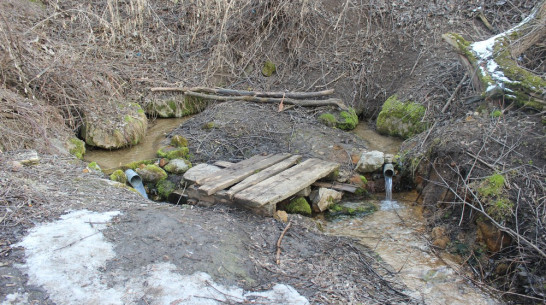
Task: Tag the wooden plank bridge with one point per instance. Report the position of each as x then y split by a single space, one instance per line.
257 183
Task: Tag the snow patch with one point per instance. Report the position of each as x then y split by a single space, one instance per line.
65 256
68 258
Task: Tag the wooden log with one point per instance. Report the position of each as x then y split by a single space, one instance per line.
236 173
285 184
222 91
303 103
262 175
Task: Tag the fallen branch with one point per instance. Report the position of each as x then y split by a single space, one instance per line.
304 103
279 242
452 97
222 91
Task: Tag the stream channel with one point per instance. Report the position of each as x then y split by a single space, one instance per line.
396 231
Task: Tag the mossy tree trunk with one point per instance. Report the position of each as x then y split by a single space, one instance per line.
493 65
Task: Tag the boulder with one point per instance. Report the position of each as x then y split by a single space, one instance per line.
151 173
114 128
323 198
173 105
402 119
370 161
177 166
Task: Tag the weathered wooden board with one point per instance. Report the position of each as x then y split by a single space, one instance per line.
223 164
337 186
236 173
262 175
286 183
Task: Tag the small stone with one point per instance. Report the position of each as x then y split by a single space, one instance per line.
305 192
281 216
163 162
323 198
370 161
16 166
29 157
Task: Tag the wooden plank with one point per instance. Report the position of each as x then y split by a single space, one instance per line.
264 174
220 174
285 184
337 186
234 174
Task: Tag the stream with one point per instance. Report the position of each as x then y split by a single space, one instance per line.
396 231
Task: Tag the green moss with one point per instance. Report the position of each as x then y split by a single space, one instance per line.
209 125
403 119
299 206
136 164
500 208
128 119
268 68
328 119
170 152
119 176
152 173
338 209
496 113
179 141
94 166
76 147
492 186
363 179
348 121
165 188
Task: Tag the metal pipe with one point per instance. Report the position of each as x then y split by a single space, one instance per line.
136 182
388 170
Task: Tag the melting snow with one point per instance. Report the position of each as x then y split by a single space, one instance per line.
68 259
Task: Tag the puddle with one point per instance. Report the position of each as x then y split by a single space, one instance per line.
396 232
109 160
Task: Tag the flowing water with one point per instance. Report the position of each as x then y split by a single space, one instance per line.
147 149
397 233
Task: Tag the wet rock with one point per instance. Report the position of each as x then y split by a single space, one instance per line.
123 127
177 166
151 173
370 161
179 141
323 198
493 238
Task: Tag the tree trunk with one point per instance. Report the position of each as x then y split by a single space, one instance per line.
492 64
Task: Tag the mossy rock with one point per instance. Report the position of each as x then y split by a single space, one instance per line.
345 120
136 164
175 106
299 205
119 176
268 68
126 127
151 173
171 152
402 119
178 166
348 120
76 147
165 188
94 166
179 141
493 195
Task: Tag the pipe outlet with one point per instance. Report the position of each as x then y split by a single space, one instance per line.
136 182
388 170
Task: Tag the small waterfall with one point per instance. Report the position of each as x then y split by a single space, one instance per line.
388 188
